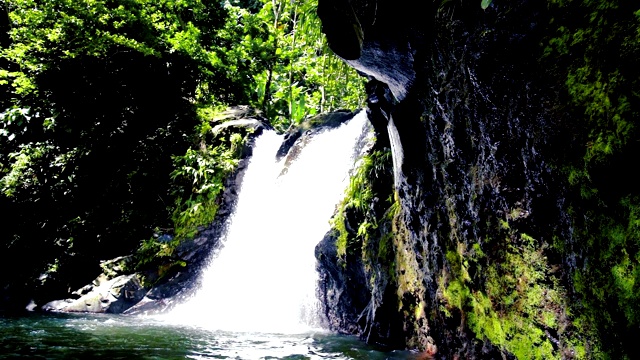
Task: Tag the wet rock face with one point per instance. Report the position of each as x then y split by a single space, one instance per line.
342 293
464 108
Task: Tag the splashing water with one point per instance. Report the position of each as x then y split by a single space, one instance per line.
263 278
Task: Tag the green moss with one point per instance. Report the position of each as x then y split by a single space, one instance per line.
385 250
341 241
456 294
408 277
519 304
358 199
409 282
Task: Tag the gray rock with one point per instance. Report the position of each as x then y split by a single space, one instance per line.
116 267
105 296
243 123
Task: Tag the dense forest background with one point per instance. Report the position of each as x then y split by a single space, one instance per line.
106 112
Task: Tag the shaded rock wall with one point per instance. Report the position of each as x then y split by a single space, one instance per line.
468 115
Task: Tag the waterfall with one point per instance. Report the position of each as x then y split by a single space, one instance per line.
263 278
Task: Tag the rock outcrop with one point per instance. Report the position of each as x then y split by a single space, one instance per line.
114 291
103 296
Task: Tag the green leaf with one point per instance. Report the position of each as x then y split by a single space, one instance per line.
485 4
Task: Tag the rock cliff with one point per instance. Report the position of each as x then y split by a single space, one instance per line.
469 247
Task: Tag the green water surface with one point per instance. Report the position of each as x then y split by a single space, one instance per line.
82 336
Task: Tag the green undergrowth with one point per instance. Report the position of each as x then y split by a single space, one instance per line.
512 299
594 51
158 257
609 281
372 233
205 169
198 182
359 199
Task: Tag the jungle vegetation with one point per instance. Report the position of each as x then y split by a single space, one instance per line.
106 111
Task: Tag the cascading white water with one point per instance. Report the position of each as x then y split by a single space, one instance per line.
264 278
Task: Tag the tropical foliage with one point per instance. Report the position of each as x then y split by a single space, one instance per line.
106 110
594 51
